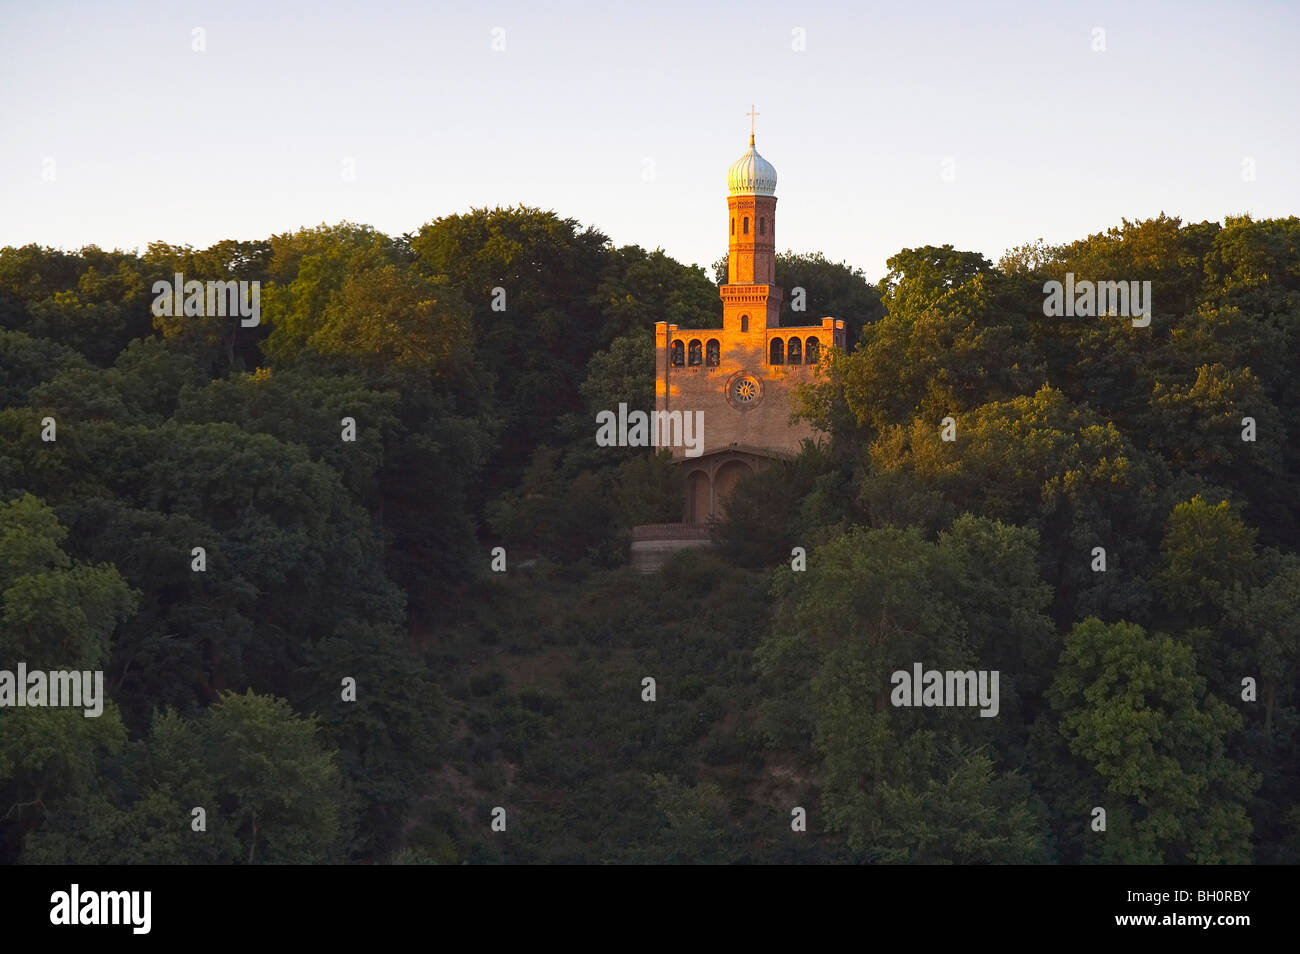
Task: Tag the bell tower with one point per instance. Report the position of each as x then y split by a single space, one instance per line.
751 301
738 381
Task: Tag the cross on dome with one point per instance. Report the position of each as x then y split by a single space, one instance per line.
751 174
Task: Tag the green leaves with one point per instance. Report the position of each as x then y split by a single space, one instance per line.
1206 554
911 784
270 792
30 540
53 615
924 278
392 318
328 559
26 361
1133 707
281 785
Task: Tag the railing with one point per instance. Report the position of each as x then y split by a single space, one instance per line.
671 531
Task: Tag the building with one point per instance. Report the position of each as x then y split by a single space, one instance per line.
741 376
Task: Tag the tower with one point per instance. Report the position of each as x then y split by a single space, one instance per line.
751 301
738 380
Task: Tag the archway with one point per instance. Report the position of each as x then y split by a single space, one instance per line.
724 483
698 492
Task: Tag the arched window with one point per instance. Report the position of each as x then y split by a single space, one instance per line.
795 354
812 351
762 225
693 355
679 354
747 225
744 322
778 352
711 353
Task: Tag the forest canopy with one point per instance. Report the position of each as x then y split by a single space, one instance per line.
471 357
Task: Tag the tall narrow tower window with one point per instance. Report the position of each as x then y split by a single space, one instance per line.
762 225
744 323
733 225
747 225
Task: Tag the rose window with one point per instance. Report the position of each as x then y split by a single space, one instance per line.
744 391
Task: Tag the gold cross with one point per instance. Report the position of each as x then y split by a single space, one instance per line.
751 114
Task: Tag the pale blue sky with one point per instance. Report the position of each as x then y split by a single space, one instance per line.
152 140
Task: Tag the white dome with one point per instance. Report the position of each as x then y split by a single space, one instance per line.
751 174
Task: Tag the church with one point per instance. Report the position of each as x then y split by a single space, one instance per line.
741 376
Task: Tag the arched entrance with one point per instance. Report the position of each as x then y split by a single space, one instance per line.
698 494
724 482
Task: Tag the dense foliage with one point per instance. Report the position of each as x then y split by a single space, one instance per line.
472 357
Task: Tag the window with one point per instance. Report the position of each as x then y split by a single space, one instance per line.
778 352
679 354
694 354
711 353
762 225
733 226
747 225
811 351
744 323
795 354
745 392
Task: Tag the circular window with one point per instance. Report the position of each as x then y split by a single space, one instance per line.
744 391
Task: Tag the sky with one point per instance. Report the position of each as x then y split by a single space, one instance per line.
891 126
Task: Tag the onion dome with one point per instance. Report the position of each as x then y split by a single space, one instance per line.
751 174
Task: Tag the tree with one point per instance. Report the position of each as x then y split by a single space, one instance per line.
276 782
535 335
26 362
308 269
923 278
949 343
772 510
622 373
551 514
144 812
56 616
693 826
1268 614
1207 552
874 602
34 273
269 789
639 288
1198 429
648 488
1133 708
1038 462
832 289
393 318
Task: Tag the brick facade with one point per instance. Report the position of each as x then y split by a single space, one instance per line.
731 373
